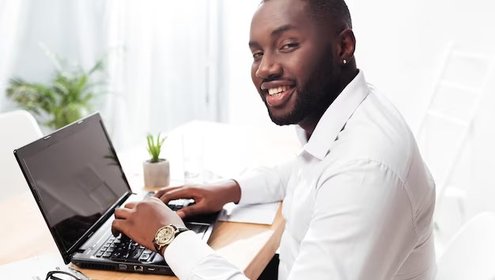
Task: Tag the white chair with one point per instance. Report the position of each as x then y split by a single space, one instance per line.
18 128
471 252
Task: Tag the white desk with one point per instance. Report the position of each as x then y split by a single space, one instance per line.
228 149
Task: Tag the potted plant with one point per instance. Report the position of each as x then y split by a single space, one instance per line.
156 170
67 98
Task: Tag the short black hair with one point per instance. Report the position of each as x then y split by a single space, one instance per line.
334 10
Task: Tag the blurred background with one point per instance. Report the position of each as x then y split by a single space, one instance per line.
164 63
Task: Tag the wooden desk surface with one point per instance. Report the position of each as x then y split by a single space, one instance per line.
248 246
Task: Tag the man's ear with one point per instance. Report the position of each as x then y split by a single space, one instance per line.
346 45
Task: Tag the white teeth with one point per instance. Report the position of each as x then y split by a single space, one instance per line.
277 90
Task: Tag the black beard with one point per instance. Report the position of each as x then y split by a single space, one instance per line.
312 100
302 108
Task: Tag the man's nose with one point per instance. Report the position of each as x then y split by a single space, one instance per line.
268 68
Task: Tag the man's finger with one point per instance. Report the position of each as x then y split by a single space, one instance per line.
165 190
130 205
117 227
179 193
189 211
122 213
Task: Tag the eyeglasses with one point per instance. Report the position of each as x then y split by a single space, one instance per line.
63 275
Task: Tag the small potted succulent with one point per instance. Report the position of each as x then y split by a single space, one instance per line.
156 170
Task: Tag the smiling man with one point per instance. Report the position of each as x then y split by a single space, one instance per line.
299 53
358 199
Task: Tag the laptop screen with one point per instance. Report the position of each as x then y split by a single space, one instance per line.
76 177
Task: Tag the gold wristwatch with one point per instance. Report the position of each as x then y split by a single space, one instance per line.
165 235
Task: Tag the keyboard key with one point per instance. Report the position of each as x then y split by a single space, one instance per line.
147 256
134 255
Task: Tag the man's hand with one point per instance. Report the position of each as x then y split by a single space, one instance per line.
141 220
208 198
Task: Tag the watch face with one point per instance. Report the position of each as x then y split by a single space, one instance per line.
165 236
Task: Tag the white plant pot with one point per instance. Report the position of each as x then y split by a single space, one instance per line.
156 174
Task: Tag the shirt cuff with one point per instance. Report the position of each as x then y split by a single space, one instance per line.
251 188
185 253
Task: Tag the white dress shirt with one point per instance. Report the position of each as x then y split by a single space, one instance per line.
358 201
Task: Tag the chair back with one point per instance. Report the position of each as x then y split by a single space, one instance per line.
471 253
17 128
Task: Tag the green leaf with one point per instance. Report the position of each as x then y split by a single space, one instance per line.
98 66
67 97
154 146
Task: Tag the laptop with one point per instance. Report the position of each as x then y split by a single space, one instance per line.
77 181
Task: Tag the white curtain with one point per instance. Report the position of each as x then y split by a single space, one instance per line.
12 21
163 57
163 67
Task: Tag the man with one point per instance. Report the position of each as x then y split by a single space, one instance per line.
358 200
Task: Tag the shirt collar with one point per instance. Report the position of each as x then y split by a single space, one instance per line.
335 117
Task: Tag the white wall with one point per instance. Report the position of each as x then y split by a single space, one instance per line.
245 105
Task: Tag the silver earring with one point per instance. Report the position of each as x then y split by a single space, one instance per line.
344 61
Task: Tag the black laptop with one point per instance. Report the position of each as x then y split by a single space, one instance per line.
77 181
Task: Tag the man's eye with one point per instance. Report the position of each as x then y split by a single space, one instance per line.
289 46
257 55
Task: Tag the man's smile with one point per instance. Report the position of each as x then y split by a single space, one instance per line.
279 96
277 93
277 90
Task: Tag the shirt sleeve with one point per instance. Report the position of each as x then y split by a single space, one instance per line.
266 184
361 228
191 259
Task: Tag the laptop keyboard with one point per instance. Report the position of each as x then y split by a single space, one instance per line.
123 249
